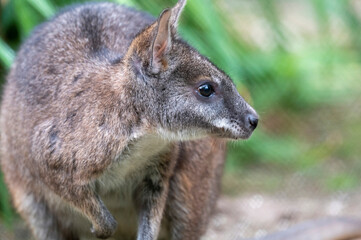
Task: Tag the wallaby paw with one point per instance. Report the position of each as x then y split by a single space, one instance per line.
106 230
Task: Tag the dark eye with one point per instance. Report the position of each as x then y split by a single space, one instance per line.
206 90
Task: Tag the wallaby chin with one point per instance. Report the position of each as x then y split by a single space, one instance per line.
182 135
81 153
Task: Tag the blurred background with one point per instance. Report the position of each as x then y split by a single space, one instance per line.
299 64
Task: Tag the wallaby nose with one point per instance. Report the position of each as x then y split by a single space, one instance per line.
252 120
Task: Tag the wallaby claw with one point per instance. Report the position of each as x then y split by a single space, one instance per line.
105 231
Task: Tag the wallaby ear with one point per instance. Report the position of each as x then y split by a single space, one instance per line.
162 41
176 12
167 23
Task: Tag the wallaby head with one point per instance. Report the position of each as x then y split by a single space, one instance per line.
190 97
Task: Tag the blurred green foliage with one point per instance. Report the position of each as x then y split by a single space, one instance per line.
305 87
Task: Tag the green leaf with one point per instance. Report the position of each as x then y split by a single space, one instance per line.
6 54
26 17
45 8
5 207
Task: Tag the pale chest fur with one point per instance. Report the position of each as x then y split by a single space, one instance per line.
130 166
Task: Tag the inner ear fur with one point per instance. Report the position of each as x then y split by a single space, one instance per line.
162 40
154 43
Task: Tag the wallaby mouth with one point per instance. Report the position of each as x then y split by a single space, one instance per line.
235 128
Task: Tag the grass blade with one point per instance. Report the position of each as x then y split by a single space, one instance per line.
6 54
44 7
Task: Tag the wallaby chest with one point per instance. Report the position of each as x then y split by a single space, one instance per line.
129 167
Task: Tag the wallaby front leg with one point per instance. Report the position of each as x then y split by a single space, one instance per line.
151 198
39 217
89 203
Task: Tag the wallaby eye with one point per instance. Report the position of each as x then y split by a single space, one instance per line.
206 90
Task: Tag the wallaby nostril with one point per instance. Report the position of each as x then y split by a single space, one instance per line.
253 121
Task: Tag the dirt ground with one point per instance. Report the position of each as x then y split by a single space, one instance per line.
254 214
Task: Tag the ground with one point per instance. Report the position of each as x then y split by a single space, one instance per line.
254 214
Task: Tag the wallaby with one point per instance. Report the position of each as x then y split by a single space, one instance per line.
113 126
108 116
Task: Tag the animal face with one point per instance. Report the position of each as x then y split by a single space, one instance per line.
197 99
